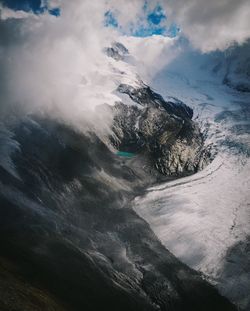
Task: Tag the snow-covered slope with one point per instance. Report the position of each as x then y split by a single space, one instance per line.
205 219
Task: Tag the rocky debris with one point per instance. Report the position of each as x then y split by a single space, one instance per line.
162 130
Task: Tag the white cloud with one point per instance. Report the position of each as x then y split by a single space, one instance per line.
151 54
213 24
208 24
6 13
56 65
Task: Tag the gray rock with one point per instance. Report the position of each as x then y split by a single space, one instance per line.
161 130
117 51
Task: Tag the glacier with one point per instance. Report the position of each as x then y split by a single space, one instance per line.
204 219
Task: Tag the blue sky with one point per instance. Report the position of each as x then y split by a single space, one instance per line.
151 23
30 5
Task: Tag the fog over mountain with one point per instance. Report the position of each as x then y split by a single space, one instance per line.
124 155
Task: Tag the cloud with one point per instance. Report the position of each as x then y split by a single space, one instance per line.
151 54
213 24
55 65
6 13
209 25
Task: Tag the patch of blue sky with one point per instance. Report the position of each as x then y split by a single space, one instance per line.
36 6
110 20
55 11
156 16
151 23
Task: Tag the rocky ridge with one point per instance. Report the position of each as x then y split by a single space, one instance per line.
161 130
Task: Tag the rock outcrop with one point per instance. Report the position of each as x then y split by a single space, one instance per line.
162 130
117 51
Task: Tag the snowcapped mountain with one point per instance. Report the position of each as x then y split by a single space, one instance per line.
70 236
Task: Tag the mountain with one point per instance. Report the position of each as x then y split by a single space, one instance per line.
163 130
70 237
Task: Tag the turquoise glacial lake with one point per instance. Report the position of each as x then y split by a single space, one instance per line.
125 154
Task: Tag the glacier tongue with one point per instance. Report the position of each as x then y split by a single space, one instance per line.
200 218
204 220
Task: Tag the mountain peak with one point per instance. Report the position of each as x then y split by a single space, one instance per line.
117 51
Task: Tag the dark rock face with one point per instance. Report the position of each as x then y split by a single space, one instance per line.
163 131
71 241
148 98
